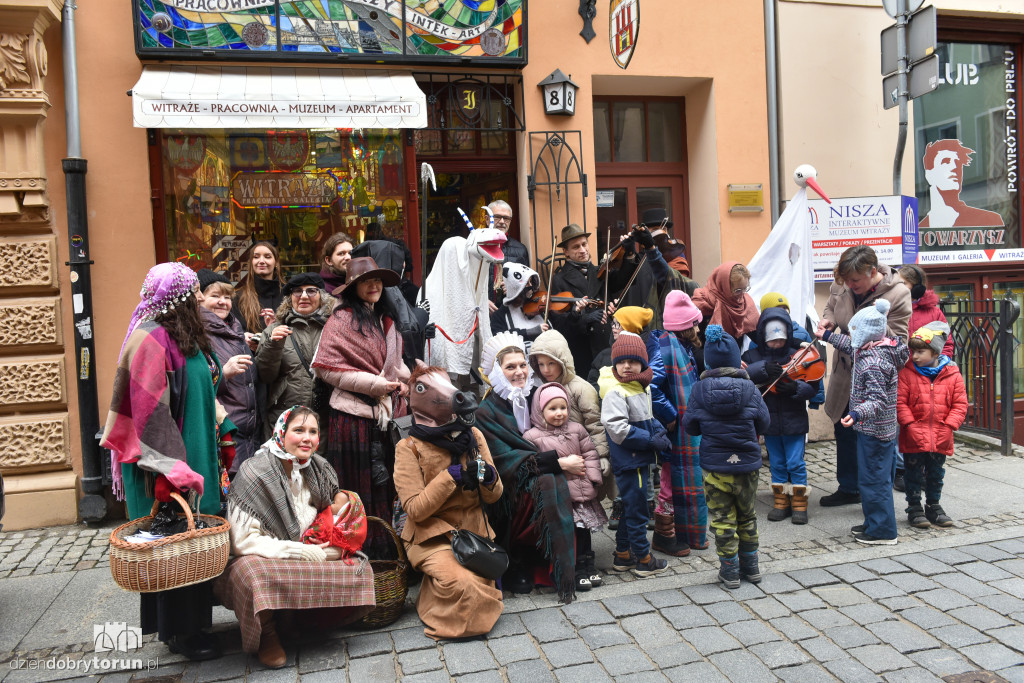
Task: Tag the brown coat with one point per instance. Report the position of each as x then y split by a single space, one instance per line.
433 502
840 309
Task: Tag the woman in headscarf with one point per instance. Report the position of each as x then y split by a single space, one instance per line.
360 356
167 434
285 506
444 474
724 301
260 293
534 518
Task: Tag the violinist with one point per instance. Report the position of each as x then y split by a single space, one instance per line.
787 404
521 284
585 327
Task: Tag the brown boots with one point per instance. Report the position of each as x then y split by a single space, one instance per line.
665 540
800 504
781 506
271 654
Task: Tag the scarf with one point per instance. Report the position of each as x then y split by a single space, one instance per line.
261 488
719 307
932 371
517 396
331 279
454 440
643 378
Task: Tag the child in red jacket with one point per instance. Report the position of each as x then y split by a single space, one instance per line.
930 406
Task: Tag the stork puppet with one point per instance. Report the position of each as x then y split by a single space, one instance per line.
457 292
783 263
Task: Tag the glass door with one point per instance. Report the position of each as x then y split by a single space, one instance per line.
621 203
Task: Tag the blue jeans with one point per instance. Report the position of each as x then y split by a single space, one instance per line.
876 467
632 531
846 458
924 471
786 459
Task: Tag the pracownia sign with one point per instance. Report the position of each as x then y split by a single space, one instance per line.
247 108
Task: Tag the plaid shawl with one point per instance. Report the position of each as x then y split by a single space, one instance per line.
260 489
147 411
691 510
513 456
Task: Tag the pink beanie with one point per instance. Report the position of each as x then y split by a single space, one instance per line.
549 392
680 313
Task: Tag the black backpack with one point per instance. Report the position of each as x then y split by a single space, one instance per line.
410 321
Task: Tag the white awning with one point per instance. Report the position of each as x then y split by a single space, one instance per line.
276 97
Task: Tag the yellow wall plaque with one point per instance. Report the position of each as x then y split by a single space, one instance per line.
748 197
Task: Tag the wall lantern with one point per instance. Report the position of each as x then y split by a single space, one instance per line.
559 94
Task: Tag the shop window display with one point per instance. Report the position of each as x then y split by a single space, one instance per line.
225 189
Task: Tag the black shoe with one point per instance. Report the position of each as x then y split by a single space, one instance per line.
898 483
871 540
653 565
517 580
937 516
670 545
854 530
197 647
589 562
623 564
915 515
840 497
749 568
616 515
582 580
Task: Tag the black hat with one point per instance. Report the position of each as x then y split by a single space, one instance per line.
301 280
652 218
208 277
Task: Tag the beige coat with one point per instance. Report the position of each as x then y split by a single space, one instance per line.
433 502
840 309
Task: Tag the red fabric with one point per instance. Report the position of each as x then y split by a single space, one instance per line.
348 534
162 490
926 310
929 412
342 348
719 307
227 455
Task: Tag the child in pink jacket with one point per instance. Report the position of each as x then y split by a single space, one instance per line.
552 431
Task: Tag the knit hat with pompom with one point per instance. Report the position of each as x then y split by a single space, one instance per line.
720 349
868 325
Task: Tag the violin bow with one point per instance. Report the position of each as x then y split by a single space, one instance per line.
607 257
789 366
629 284
551 274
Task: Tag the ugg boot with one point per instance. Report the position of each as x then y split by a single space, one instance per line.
781 507
800 503
748 566
730 572
665 539
937 516
915 515
271 654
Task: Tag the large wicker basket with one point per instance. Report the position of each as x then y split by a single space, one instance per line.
390 583
176 561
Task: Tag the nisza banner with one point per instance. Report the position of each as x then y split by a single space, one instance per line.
887 224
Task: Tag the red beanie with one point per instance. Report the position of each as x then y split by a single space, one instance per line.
629 346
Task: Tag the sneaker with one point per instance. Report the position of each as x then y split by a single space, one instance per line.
915 515
840 497
871 540
653 565
616 515
623 564
937 516
898 483
729 573
854 530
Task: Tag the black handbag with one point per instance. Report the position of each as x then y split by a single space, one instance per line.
480 555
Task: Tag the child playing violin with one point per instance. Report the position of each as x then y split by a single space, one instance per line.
787 404
521 283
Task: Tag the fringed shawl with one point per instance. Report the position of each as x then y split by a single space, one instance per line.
514 459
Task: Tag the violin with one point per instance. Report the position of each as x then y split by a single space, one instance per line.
559 303
808 366
614 256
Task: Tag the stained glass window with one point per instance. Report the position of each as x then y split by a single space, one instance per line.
395 30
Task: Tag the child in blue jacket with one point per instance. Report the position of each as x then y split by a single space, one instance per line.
727 410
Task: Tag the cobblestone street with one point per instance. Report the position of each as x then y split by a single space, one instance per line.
942 602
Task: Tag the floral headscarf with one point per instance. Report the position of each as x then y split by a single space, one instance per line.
275 444
166 285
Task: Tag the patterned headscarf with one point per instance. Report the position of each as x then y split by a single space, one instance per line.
276 446
166 285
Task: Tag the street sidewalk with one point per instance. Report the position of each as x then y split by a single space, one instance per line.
942 602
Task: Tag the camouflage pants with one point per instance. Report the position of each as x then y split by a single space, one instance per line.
730 499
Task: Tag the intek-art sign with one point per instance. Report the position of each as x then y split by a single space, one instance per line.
887 224
250 190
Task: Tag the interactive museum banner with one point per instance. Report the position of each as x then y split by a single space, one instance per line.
966 166
483 31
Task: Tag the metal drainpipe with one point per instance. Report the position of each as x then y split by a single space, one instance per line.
93 505
772 75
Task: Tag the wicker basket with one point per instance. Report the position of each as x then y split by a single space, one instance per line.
176 561
390 583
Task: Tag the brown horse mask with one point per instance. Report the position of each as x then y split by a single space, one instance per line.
435 402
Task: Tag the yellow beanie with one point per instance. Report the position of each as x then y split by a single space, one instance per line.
774 300
634 318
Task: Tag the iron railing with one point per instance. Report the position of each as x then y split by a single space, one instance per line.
557 180
982 331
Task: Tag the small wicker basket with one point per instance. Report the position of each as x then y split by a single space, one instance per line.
176 561
390 583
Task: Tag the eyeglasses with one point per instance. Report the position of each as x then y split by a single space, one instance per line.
737 292
500 218
308 291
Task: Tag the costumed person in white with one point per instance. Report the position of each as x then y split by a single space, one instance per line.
789 243
456 290
521 283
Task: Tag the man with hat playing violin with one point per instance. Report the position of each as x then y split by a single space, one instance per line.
584 325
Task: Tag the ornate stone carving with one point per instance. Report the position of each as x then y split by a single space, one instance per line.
13 61
34 441
31 381
35 322
28 262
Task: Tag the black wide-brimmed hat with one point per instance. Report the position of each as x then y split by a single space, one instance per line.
571 232
652 218
365 268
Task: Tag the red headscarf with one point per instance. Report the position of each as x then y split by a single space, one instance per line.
719 307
